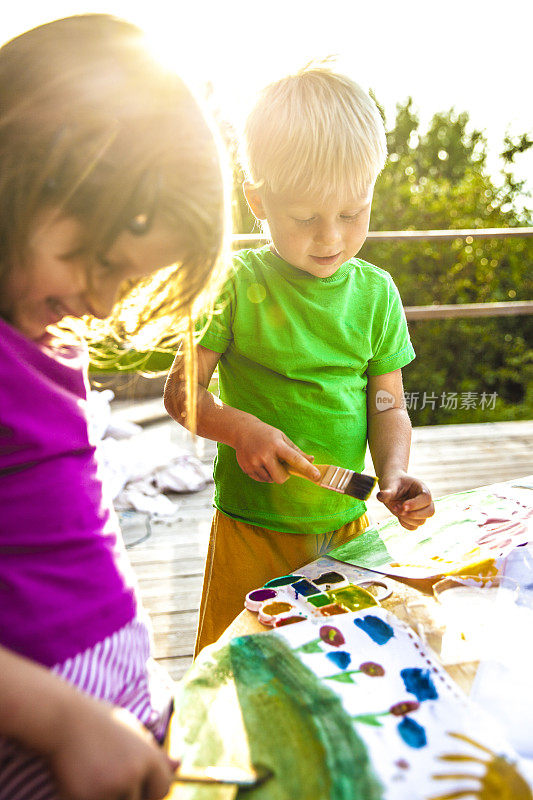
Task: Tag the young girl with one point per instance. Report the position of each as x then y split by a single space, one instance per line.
108 172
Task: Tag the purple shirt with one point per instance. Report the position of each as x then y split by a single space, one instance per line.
65 582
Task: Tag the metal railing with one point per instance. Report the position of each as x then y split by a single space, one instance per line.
436 311
413 236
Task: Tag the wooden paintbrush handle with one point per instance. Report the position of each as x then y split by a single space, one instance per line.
322 468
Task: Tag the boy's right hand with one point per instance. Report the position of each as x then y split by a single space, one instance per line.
263 453
102 752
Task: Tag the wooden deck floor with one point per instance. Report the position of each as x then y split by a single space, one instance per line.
169 564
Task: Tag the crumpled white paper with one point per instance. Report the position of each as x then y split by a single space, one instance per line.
139 465
503 681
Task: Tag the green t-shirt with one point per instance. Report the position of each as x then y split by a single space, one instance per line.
295 352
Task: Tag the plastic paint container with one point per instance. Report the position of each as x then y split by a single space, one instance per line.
254 600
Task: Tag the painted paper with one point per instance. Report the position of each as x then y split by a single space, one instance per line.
349 709
467 530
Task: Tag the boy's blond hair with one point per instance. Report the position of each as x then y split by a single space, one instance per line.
315 132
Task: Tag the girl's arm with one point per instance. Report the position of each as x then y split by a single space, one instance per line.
261 449
93 749
389 439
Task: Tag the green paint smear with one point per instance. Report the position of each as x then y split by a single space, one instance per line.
368 549
295 724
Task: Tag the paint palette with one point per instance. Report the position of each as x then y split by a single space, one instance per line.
294 598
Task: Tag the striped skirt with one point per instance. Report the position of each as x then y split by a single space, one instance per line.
119 670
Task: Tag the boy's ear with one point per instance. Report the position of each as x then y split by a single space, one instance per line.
254 200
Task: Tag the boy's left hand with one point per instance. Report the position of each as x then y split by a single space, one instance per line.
407 498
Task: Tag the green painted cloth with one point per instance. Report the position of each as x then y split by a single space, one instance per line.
296 351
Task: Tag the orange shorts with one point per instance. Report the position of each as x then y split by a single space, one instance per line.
243 557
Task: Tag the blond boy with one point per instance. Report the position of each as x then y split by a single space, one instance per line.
309 341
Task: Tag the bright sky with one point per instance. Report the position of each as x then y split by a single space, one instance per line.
474 55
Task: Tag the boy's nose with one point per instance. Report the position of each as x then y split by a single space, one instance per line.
327 234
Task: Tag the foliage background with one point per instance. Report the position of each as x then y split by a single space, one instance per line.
438 179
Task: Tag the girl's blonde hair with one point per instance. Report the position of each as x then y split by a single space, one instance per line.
315 133
92 125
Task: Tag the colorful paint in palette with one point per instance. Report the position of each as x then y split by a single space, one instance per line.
285 580
254 600
293 598
275 609
333 609
353 597
318 600
283 621
331 580
312 604
303 588
269 612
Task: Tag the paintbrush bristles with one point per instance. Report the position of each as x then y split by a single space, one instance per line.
361 486
343 481
346 481
220 775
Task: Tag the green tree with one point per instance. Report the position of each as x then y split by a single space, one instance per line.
438 179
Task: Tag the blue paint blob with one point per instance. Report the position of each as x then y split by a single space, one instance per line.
304 587
412 733
379 631
419 683
340 658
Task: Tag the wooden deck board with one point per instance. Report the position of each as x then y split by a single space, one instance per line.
169 565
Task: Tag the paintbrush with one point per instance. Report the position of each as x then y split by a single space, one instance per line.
230 776
344 481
